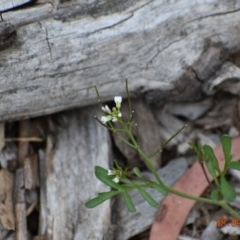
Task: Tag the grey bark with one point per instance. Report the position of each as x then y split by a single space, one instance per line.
70 180
169 50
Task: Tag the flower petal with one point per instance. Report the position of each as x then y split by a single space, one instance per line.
114 119
118 100
106 109
105 119
111 172
116 179
119 114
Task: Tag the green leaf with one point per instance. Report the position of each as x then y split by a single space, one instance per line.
214 195
199 145
211 157
160 188
198 149
226 145
101 170
195 147
107 180
128 202
211 169
148 198
137 172
227 191
234 165
126 180
103 196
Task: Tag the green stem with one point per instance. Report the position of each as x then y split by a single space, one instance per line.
125 141
129 101
145 157
185 195
163 146
221 203
225 206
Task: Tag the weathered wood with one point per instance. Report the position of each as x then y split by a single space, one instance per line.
6 201
28 15
20 206
80 145
168 50
42 228
6 4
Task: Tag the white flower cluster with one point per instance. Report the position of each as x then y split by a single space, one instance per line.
115 113
114 172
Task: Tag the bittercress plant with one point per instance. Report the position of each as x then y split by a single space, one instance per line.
122 181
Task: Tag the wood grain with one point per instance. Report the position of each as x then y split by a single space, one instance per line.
168 50
80 145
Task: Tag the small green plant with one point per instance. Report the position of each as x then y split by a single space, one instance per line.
120 180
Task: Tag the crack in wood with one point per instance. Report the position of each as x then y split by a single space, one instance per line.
47 39
109 27
214 15
95 9
166 47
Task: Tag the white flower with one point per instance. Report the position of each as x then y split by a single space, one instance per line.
111 172
119 114
114 119
116 179
118 100
105 119
106 109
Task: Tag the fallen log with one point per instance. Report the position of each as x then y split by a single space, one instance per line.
51 58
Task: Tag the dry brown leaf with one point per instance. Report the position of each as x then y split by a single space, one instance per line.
178 208
6 199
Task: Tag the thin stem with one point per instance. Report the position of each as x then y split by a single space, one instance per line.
205 174
137 134
185 195
145 157
129 101
101 122
173 136
131 116
225 206
221 203
26 139
98 95
125 141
